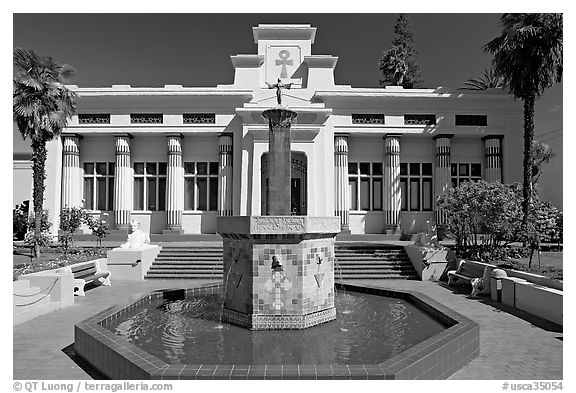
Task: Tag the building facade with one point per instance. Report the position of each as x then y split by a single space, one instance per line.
174 158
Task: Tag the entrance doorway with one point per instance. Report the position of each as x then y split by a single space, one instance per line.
298 184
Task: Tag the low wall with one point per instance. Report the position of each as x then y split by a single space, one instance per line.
533 293
131 264
60 286
535 299
430 264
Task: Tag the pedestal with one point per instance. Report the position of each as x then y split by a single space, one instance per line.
132 264
278 270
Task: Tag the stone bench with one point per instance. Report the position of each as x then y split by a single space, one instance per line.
88 272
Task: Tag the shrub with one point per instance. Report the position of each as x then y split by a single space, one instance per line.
45 238
70 220
99 227
482 217
20 220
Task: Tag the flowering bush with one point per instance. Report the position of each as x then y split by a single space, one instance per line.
70 220
99 227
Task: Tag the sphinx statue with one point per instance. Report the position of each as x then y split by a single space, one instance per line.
137 238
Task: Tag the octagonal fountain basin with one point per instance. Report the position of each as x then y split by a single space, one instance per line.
178 334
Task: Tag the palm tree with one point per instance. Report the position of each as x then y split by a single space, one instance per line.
41 108
488 80
528 55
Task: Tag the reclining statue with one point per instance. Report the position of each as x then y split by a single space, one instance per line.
137 238
428 237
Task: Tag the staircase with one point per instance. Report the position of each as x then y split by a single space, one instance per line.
372 261
187 262
353 261
28 302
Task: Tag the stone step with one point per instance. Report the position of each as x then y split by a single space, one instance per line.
184 271
183 277
190 256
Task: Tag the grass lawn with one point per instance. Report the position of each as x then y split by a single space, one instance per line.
550 264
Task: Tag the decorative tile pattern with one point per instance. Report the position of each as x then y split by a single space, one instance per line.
146 118
199 118
367 118
93 118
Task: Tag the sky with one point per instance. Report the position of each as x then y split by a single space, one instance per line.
194 49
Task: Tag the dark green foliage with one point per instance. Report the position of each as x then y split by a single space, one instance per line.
99 227
20 220
528 54
484 218
39 238
41 107
488 80
70 220
399 64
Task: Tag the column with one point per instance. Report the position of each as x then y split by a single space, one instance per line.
71 178
342 192
174 184
279 163
123 183
493 158
392 195
225 175
442 174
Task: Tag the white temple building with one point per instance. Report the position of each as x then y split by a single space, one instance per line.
174 157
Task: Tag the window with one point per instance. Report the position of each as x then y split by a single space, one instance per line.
150 186
416 186
146 118
365 181
464 171
471 120
367 118
420 119
201 186
199 118
93 118
99 185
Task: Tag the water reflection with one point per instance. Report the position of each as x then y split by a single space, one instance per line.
368 329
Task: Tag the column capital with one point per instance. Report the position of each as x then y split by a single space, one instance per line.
391 135
71 135
341 135
229 134
174 135
122 135
449 136
493 136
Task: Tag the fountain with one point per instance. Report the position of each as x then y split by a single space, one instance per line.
281 266
273 315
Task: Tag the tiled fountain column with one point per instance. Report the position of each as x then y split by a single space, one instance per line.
174 183
278 270
442 179
123 183
279 162
392 196
341 192
493 158
225 175
71 178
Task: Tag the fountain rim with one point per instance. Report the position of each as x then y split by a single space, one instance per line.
437 357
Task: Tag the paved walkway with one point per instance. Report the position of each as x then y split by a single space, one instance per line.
511 346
